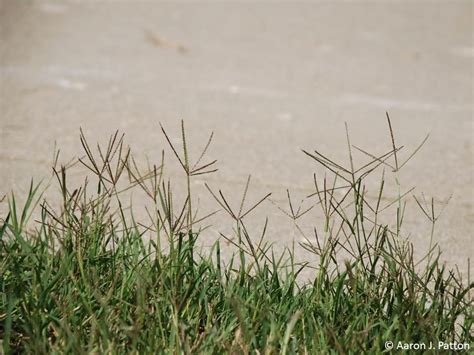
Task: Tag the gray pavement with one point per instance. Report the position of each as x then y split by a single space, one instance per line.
268 78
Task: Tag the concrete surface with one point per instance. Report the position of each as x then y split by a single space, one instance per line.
268 78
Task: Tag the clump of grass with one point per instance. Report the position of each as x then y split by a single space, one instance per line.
89 278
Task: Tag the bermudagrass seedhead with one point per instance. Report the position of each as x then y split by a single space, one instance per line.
92 277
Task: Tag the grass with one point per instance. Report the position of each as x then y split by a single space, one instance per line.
87 277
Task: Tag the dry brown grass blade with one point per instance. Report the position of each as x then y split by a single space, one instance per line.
173 148
244 195
219 202
393 140
415 151
204 151
255 205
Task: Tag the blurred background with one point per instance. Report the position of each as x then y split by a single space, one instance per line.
268 78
